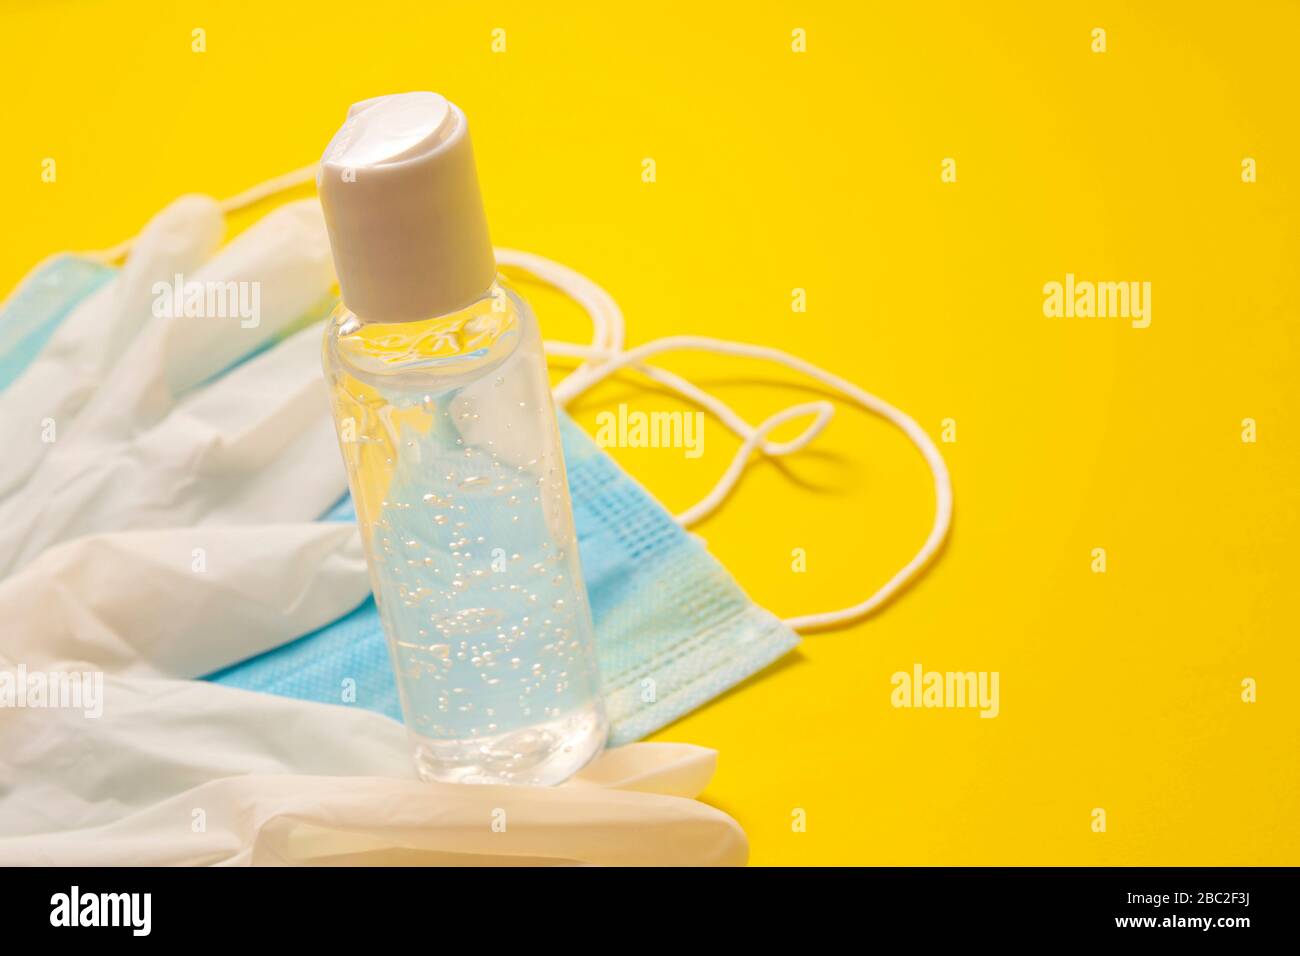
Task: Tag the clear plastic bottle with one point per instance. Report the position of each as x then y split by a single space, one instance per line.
448 431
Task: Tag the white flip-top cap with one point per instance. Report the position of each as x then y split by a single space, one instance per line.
401 200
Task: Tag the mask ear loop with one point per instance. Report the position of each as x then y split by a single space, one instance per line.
822 413
604 313
581 381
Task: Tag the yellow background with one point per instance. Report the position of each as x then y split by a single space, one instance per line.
821 170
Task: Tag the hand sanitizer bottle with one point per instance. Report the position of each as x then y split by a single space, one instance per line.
440 396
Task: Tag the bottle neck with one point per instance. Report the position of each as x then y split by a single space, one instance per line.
464 342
